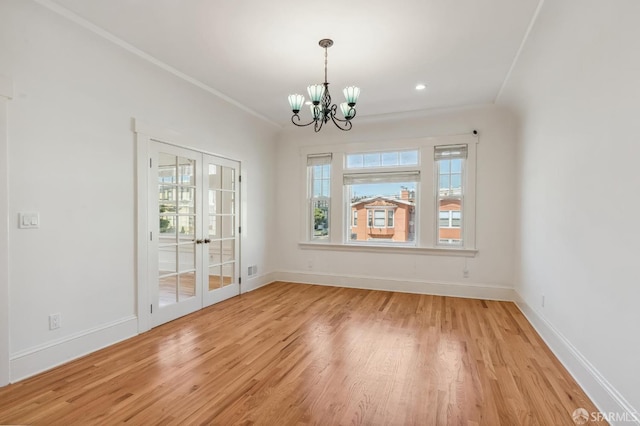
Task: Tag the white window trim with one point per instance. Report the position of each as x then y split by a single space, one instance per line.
388 248
426 225
317 159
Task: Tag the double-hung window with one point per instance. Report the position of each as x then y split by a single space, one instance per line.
450 161
319 176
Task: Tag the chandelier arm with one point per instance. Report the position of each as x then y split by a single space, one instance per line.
347 124
346 120
301 125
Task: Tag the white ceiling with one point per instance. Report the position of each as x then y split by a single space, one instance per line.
257 52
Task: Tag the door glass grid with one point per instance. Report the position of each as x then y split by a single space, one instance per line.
221 226
176 241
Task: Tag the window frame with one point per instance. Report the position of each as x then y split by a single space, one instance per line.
450 192
426 219
312 161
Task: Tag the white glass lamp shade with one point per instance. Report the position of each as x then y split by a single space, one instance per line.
315 112
347 110
316 91
351 94
296 101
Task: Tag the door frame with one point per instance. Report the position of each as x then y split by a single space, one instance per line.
145 134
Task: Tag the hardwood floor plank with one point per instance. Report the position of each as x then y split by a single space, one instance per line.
293 354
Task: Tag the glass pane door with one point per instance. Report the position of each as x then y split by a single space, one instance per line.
222 239
175 247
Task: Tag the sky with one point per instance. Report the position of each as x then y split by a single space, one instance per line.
384 189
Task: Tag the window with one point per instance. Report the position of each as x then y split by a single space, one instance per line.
384 185
378 218
414 192
449 198
319 172
382 159
450 219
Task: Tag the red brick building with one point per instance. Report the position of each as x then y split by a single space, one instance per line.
392 219
450 217
383 218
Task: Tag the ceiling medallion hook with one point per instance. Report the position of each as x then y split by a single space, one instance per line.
322 110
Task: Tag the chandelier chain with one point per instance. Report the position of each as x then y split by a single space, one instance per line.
326 56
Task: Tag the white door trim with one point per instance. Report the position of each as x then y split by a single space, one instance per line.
142 225
6 94
145 135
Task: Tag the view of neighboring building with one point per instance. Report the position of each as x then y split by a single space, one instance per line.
450 218
383 218
388 218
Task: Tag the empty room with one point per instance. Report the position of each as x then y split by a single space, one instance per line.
334 213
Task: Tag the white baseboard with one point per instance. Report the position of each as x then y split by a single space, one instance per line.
253 283
606 398
467 290
37 359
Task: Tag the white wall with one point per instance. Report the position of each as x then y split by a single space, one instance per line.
576 91
71 158
6 93
491 268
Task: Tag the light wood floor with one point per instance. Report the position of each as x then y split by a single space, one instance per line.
291 354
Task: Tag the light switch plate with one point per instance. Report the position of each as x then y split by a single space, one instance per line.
28 220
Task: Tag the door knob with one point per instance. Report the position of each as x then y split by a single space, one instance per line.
199 241
207 241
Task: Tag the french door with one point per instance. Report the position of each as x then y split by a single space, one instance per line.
194 246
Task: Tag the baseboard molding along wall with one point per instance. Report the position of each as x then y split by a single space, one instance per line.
255 282
609 401
474 290
44 357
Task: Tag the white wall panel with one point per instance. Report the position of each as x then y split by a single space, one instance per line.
576 92
71 155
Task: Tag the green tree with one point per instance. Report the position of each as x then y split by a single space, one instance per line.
319 217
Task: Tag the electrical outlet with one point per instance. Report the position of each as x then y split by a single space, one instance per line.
54 321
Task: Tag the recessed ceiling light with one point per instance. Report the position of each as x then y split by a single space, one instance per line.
421 86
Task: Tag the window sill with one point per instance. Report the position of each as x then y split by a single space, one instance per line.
366 248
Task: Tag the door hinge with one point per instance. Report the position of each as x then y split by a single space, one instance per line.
150 162
151 308
239 178
239 229
151 236
240 280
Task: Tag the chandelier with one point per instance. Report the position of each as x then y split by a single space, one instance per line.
321 108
